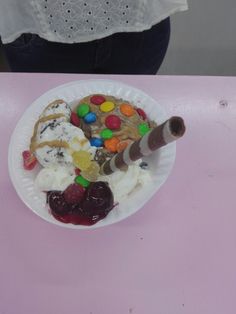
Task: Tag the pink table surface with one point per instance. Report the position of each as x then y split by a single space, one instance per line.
176 255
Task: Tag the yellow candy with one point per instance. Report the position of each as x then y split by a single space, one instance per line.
81 159
107 106
92 172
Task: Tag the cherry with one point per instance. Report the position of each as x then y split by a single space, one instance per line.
74 193
57 203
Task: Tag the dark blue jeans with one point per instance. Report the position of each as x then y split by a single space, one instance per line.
121 53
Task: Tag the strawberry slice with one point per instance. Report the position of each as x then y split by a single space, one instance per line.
29 160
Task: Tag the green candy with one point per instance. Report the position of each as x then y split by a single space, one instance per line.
82 181
143 128
106 134
82 110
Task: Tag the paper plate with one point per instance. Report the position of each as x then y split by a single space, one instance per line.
160 162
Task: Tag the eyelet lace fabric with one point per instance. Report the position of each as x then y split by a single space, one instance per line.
80 20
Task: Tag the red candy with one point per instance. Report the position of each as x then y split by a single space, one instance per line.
74 119
74 193
97 99
112 122
141 113
77 171
29 160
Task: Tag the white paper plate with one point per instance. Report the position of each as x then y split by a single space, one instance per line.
161 162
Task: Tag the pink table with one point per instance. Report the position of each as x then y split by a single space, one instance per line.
176 255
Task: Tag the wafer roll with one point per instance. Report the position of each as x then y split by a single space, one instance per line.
162 135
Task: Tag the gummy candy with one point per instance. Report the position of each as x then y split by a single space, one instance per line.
81 159
92 172
82 181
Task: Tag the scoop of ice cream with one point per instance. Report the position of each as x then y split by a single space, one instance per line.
123 183
58 106
64 132
54 179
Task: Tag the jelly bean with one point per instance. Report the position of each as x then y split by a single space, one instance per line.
141 113
97 99
143 128
106 134
90 117
127 110
111 144
74 119
82 110
92 172
122 145
97 142
107 106
113 122
82 181
81 159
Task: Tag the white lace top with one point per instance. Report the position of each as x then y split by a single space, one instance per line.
71 21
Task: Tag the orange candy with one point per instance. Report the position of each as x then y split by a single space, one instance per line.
111 144
122 145
127 110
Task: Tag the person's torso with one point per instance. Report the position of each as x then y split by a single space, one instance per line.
81 20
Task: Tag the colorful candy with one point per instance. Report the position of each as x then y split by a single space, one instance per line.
122 145
113 122
143 128
90 117
97 99
82 181
106 134
29 160
92 172
81 159
127 110
107 106
82 110
141 113
97 142
111 144
74 119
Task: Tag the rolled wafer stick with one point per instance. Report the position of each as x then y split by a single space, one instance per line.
162 135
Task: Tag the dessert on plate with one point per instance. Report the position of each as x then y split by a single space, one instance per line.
91 155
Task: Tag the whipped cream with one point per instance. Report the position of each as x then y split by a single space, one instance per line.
54 178
123 183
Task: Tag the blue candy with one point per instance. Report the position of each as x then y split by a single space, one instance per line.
90 117
97 142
